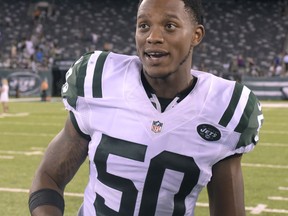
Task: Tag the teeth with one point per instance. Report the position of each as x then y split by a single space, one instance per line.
155 54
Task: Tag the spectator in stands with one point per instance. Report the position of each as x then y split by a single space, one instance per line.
233 66
271 70
285 61
13 54
277 60
36 14
14 50
278 70
241 64
252 68
21 44
94 37
107 46
39 55
31 64
29 47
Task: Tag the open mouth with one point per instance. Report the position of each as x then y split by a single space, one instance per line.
155 54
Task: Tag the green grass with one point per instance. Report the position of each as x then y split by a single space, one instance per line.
20 136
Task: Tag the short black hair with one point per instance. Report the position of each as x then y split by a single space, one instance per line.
194 7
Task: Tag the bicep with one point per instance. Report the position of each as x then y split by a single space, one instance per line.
63 157
226 188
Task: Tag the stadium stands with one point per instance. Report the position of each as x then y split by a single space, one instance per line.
254 29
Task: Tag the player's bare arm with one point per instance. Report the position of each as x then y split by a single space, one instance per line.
226 190
63 157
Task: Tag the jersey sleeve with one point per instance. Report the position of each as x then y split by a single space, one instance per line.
245 111
80 79
74 82
250 123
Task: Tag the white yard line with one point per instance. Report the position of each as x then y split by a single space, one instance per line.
278 198
273 144
6 157
28 153
33 123
274 105
19 190
260 208
273 132
5 115
265 166
283 188
25 134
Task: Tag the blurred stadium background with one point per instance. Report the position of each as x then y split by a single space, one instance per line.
245 39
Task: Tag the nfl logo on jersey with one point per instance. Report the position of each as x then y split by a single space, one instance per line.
156 126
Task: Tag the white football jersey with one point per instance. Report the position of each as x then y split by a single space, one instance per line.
146 162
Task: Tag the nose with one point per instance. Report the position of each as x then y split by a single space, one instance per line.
155 36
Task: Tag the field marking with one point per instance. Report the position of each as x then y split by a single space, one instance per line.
267 210
38 148
6 157
283 188
33 123
4 115
274 105
265 166
278 198
19 190
28 153
260 208
273 144
273 132
26 134
278 123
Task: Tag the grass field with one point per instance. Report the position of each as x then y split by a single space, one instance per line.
29 127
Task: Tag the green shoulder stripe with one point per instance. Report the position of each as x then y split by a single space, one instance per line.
250 123
82 74
75 77
244 121
228 114
97 78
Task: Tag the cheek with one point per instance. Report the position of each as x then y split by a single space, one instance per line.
138 42
182 48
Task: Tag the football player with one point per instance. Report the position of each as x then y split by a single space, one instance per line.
155 132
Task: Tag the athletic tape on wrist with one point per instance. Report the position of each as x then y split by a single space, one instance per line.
46 197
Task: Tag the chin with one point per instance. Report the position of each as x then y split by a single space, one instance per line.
156 74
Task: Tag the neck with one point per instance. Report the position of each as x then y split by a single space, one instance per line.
170 86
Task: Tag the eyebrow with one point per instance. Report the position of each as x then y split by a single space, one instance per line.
172 16
168 16
142 16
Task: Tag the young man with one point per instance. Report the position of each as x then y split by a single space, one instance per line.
155 131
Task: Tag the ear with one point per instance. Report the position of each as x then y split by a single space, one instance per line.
198 35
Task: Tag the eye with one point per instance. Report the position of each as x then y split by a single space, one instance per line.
170 26
143 26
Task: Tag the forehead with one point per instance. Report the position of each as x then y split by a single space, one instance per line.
161 7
